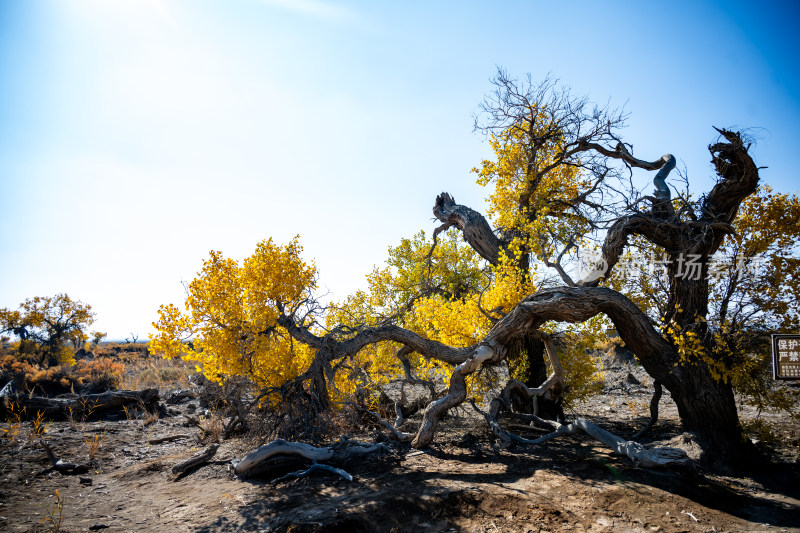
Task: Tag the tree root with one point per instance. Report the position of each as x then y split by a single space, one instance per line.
552 389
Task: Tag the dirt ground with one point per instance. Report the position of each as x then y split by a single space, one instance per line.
462 483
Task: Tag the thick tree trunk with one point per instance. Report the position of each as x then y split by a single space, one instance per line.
707 408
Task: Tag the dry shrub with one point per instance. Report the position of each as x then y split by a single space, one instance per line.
295 411
211 428
100 374
157 373
762 432
14 423
16 370
86 376
93 443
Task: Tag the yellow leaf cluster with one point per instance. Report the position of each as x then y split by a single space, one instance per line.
231 316
532 193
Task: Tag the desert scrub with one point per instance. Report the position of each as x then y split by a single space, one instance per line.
93 443
85 376
157 373
211 427
14 426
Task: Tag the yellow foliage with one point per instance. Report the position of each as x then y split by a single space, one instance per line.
45 325
232 313
532 203
763 259
65 356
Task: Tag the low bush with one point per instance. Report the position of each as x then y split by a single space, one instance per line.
85 376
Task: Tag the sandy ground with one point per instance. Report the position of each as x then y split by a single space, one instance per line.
462 483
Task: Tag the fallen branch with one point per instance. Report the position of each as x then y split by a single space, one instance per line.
181 395
253 460
638 454
196 460
312 468
265 457
168 438
60 466
87 405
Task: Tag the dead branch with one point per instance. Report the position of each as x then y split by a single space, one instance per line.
61 466
251 462
261 459
638 454
399 435
312 468
475 228
641 456
168 438
196 460
87 405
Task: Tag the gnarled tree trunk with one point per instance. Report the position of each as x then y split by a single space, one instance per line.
706 405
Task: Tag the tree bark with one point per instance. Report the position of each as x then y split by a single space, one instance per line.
472 224
527 351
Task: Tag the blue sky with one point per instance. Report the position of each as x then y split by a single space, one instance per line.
137 135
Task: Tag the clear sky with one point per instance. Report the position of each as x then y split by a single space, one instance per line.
137 135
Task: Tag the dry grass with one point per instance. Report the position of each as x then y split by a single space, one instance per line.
13 431
149 418
38 428
211 427
53 518
93 443
157 373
